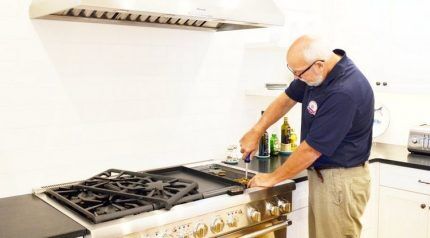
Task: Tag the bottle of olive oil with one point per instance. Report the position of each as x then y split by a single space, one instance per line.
285 136
263 147
293 140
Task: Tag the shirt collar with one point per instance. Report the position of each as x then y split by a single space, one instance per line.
339 67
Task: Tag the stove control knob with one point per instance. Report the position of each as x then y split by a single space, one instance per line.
232 221
272 210
200 230
254 215
217 225
284 206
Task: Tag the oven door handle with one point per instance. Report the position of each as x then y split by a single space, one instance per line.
268 229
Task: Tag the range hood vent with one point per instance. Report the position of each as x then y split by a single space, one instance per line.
218 15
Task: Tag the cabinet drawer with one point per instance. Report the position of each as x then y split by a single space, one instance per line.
414 180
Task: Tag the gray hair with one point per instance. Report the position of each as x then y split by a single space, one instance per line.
317 50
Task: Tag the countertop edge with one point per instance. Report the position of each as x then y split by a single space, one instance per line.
380 160
400 163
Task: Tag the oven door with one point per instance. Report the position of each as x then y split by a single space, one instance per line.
269 229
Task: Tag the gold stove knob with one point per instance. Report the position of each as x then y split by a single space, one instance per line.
254 215
200 230
217 225
284 207
232 221
272 210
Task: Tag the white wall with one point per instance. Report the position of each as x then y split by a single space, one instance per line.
76 99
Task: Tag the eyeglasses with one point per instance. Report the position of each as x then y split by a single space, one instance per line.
304 71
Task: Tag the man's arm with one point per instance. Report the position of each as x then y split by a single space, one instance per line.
281 105
298 161
301 159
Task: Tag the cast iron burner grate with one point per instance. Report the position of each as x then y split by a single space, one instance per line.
117 193
155 188
99 206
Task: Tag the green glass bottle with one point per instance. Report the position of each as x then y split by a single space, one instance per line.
274 145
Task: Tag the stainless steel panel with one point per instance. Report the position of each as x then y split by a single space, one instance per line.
273 229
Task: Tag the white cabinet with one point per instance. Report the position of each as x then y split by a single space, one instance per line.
299 215
382 37
301 195
370 216
403 214
404 200
399 205
299 227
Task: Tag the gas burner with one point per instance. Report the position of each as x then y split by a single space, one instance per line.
154 188
111 208
99 206
88 196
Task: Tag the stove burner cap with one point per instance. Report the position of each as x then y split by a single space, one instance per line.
89 196
107 209
157 185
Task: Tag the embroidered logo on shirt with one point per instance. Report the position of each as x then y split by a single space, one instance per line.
312 107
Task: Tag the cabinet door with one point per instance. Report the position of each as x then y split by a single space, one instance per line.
402 214
299 228
301 195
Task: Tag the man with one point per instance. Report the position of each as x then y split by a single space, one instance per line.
336 136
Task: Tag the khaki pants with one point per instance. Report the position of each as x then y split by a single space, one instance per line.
337 203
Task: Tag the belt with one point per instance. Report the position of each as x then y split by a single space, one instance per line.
318 170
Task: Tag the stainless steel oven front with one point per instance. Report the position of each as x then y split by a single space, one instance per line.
276 228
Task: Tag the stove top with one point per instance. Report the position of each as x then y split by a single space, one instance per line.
119 203
117 193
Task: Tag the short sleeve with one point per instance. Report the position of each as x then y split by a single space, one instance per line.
332 122
296 90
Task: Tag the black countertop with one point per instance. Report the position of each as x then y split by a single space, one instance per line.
27 216
383 153
398 155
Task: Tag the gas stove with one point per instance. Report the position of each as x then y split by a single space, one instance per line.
194 201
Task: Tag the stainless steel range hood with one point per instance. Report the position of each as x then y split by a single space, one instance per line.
219 15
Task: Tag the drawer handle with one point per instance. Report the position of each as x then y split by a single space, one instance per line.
424 182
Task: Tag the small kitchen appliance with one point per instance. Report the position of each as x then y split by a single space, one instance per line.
419 139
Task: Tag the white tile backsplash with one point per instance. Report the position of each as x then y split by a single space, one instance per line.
79 98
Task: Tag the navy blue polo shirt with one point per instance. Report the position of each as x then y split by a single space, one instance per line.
337 116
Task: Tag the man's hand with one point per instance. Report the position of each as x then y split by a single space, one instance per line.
262 180
249 143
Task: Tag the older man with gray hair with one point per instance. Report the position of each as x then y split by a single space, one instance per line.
336 136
